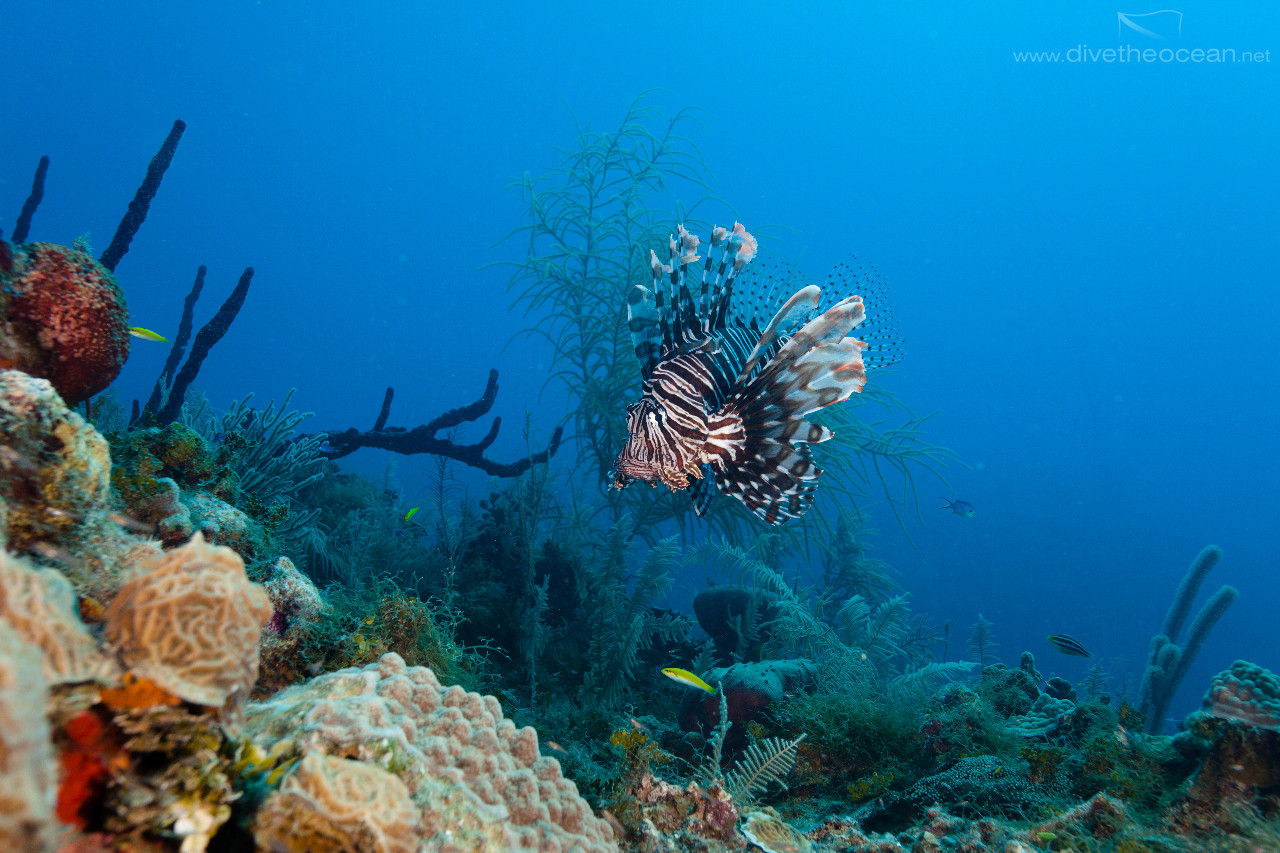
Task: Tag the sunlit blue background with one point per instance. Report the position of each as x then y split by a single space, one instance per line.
1083 255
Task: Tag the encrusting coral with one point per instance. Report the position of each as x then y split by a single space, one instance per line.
40 607
333 805
27 768
476 778
190 622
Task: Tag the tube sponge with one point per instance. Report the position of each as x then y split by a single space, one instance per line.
190 623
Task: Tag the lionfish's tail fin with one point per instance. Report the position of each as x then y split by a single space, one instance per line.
773 471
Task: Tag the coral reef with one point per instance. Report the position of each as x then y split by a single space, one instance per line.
1245 692
297 607
334 805
55 476
40 607
473 774
27 776
189 622
62 318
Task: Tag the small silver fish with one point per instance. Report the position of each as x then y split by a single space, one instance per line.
962 508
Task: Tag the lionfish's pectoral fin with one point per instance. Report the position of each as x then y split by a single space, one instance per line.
773 471
801 302
777 480
702 490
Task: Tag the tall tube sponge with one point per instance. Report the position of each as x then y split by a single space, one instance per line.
1167 662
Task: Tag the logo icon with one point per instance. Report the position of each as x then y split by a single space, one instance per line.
1161 26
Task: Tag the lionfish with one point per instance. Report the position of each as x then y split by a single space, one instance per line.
725 394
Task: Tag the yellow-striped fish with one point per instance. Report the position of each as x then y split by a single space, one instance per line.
411 513
684 676
147 334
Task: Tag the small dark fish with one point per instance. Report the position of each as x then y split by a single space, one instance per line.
1068 646
399 532
963 508
217 437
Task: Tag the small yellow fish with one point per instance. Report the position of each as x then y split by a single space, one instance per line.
557 747
684 676
641 726
411 513
147 334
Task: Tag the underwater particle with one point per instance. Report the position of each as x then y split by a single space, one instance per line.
190 622
964 509
1068 645
62 318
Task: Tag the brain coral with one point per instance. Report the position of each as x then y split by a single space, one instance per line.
190 622
40 606
63 318
477 779
334 805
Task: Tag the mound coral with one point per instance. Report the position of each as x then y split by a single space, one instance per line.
1245 692
63 318
477 779
190 622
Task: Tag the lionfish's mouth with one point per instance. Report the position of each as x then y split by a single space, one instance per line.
630 471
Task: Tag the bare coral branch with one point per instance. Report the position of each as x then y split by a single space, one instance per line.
422 439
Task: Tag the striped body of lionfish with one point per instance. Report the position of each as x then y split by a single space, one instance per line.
725 394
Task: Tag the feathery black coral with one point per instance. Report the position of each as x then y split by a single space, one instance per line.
759 768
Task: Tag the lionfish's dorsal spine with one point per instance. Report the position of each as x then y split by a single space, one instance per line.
742 246
643 321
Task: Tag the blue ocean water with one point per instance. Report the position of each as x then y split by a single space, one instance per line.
1081 250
